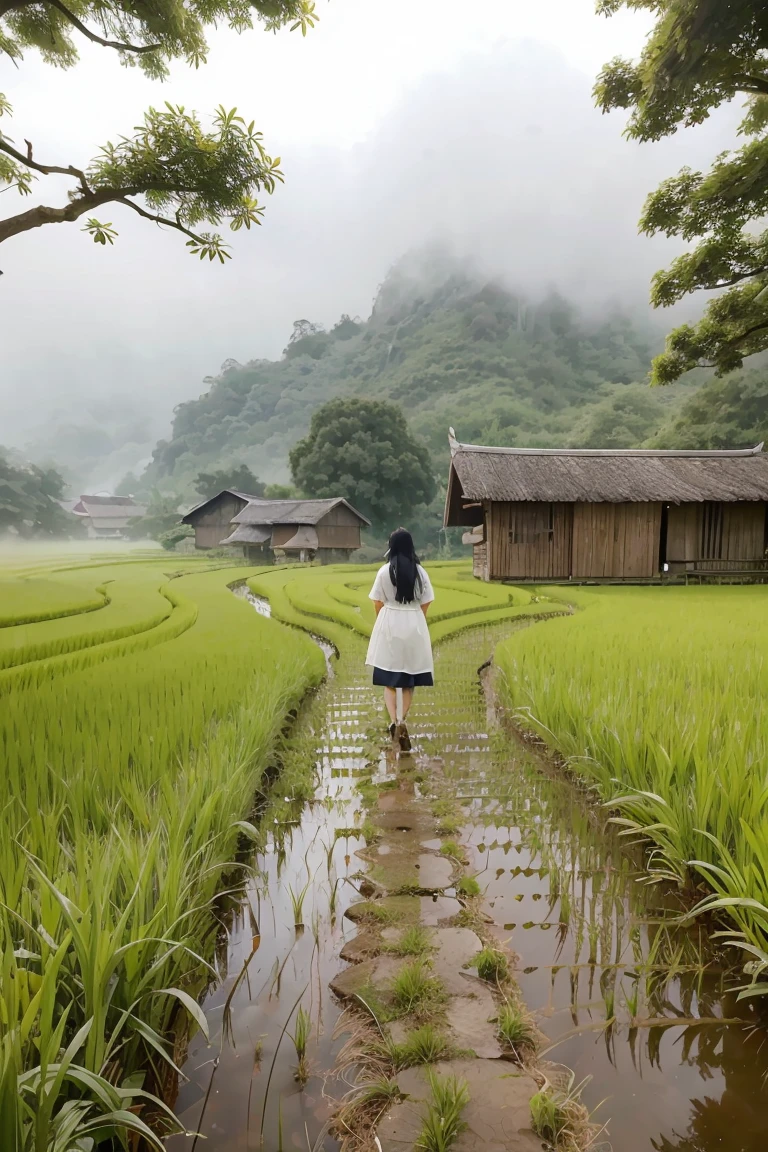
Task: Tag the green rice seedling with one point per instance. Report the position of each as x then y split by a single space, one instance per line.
301 1033
514 1029
425 1045
492 965
443 1124
451 848
468 886
414 941
548 1116
297 903
414 987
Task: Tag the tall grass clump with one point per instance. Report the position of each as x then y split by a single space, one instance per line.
656 696
442 1125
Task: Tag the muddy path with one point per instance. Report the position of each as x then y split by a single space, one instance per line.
617 991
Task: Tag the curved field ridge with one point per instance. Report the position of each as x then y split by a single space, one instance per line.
133 603
124 782
657 696
30 600
333 602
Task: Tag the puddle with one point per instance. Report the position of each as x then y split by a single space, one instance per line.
563 892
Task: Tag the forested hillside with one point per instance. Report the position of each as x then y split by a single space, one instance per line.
453 349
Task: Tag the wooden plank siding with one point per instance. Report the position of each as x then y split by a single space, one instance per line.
709 531
339 528
214 524
529 540
616 541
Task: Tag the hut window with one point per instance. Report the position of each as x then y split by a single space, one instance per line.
712 531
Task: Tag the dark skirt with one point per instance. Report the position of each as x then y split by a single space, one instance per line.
385 679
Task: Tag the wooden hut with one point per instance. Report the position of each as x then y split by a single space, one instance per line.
327 529
212 519
609 514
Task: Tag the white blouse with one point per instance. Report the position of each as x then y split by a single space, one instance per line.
400 639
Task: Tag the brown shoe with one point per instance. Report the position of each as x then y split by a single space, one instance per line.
403 737
392 731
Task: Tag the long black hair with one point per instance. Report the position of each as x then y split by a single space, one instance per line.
403 569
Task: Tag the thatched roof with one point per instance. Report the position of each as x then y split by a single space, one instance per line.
565 475
262 511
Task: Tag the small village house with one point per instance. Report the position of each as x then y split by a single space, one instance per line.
105 517
304 529
610 514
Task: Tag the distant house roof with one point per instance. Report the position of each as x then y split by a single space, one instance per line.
262 511
105 512
564 475
211 499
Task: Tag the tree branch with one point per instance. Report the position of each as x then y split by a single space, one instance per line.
45 169
749 332
70 16
36 217
753 84
165 220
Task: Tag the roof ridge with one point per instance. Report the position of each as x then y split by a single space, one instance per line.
618 453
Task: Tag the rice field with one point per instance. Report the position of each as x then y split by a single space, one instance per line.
132 750
655 696
140 703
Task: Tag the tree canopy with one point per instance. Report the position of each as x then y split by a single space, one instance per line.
241 479
364 451
701 54
174 170
28 501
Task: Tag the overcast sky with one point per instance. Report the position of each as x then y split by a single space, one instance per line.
396 121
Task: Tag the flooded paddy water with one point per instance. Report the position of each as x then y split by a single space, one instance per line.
622 995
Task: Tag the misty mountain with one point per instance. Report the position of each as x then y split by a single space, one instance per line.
450 347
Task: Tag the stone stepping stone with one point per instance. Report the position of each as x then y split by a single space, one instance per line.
435 872
399 909
470 1021
498 1114
455 948
434 910
361 947
378 972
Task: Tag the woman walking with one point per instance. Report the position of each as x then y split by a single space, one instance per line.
400 650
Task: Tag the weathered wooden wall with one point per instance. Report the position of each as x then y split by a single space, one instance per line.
214 524
339 528
529 541
480 561
616 540
700 532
